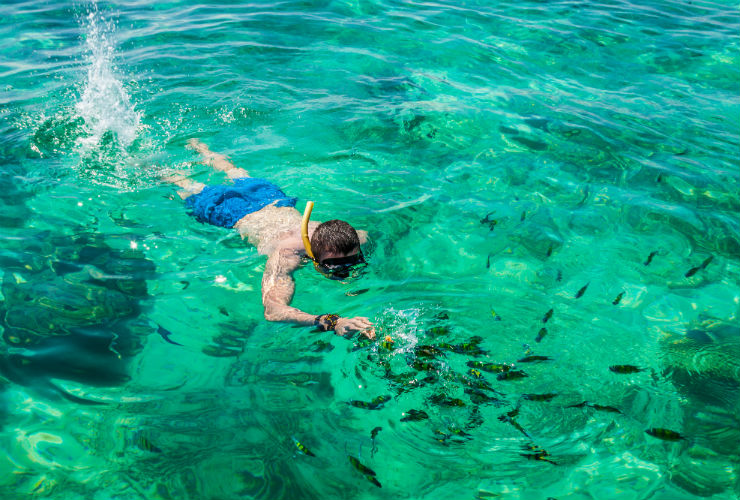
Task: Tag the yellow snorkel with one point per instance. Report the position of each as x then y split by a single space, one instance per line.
304 229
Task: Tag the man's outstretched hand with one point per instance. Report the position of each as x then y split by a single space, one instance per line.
358 324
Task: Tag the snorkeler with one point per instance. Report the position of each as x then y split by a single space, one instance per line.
267 218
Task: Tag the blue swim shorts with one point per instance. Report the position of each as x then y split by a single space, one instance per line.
225 204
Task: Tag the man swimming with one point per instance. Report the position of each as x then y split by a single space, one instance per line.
264 215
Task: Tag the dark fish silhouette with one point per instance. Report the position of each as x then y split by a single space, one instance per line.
415 416
489 367
511 375
539 397
580 292
524 215
650 257
427 351
165 334
584 404
375 404
625 369
618 299
423 365
487 220
608 409
479 397
541 334
549 250
374 432
696 269
442 400
665 434
547 316
531 359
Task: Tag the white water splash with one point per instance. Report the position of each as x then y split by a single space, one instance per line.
104 104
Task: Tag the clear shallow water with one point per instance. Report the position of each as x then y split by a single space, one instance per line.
592 134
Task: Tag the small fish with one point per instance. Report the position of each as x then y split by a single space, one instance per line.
524 215
144 444
489 367
580 292
479 397
608 409
185 284
302 448
428 351
549 250
373 435
560 276
488 261
223 310
618 299
465 348
361 404
541 334
511 375
442 400
423 366
531 359
165 334
495 315
475 419
539 397
381 400
625 369
355 293
547 316
665 434
650 257
579 405
692 271
484 495
439 330
387 343
659 178
542 457
363 469
415 416
696 269
487 220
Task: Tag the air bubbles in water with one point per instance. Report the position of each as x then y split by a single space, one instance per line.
104 104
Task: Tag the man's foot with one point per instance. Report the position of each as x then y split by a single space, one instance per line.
198 146
216 160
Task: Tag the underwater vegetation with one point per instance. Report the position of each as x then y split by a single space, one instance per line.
72 306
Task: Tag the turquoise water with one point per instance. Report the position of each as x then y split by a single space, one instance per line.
502 156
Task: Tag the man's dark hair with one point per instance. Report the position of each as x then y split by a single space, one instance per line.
333 236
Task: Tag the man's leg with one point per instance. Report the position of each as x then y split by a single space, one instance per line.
217 161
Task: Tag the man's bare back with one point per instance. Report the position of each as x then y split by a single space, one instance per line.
276 232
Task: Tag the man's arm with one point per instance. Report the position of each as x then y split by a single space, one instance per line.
278 288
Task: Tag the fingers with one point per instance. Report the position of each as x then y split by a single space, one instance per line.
363 325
